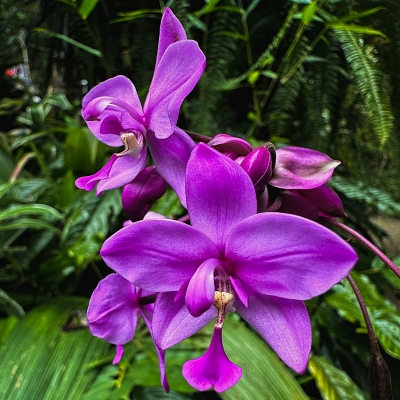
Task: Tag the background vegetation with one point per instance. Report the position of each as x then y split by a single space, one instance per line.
312 73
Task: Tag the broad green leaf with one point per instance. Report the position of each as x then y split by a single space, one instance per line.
6 326
41 361
333 383
157 393
87 7
264 374
387 330
387 273
30 209
5 187
88 244
67 39
355 28
169 205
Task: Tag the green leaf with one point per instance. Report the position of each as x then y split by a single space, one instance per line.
41 361
387 329
309 12
30 209
358 15
9 305
253 77
264 374
67 39
355 28
129 16
6 327
168 205
23 223
387 273
87 7
333 384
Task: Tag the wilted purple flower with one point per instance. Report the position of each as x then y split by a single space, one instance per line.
263 265
113 113
113 313
312 203
139 195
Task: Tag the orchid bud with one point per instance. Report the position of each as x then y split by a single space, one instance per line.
258 165
139 195
230 146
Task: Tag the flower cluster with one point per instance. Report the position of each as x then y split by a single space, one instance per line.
253 246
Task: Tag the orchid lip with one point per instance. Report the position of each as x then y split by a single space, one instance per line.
133 145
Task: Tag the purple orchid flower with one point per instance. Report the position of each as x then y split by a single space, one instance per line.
113 112
261 265
113 313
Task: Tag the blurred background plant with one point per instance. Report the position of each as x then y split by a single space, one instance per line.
311 73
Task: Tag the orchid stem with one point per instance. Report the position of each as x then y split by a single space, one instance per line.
367 243
367 319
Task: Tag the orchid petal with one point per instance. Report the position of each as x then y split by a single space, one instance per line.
171 31
213 368
287 256
327 201
227 144
172 321
119 352
171 156
201 290
301 168
89 182
178 71
157 255
293 203
123 171
113 310
284 324
119 87
219 193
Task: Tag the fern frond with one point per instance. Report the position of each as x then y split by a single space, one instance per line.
370 81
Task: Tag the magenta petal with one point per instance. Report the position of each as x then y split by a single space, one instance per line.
287 256
293 203
326 200
89 182
113 310
157 255
123 171
213 368
172 321
284 324
229 144
178 71
119 352
171 31
170 157
201 290
219 193
119 87
301 168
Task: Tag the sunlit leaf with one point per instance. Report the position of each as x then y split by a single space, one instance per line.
355 28
41 361
333 383
87 7
30 209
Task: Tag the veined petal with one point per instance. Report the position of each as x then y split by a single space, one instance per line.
119 87
157 255
201 289
178 71
171 31
123 171
301 168
284 324
172 321
170 157
113 310
219 193
89 182
287 256
213 368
